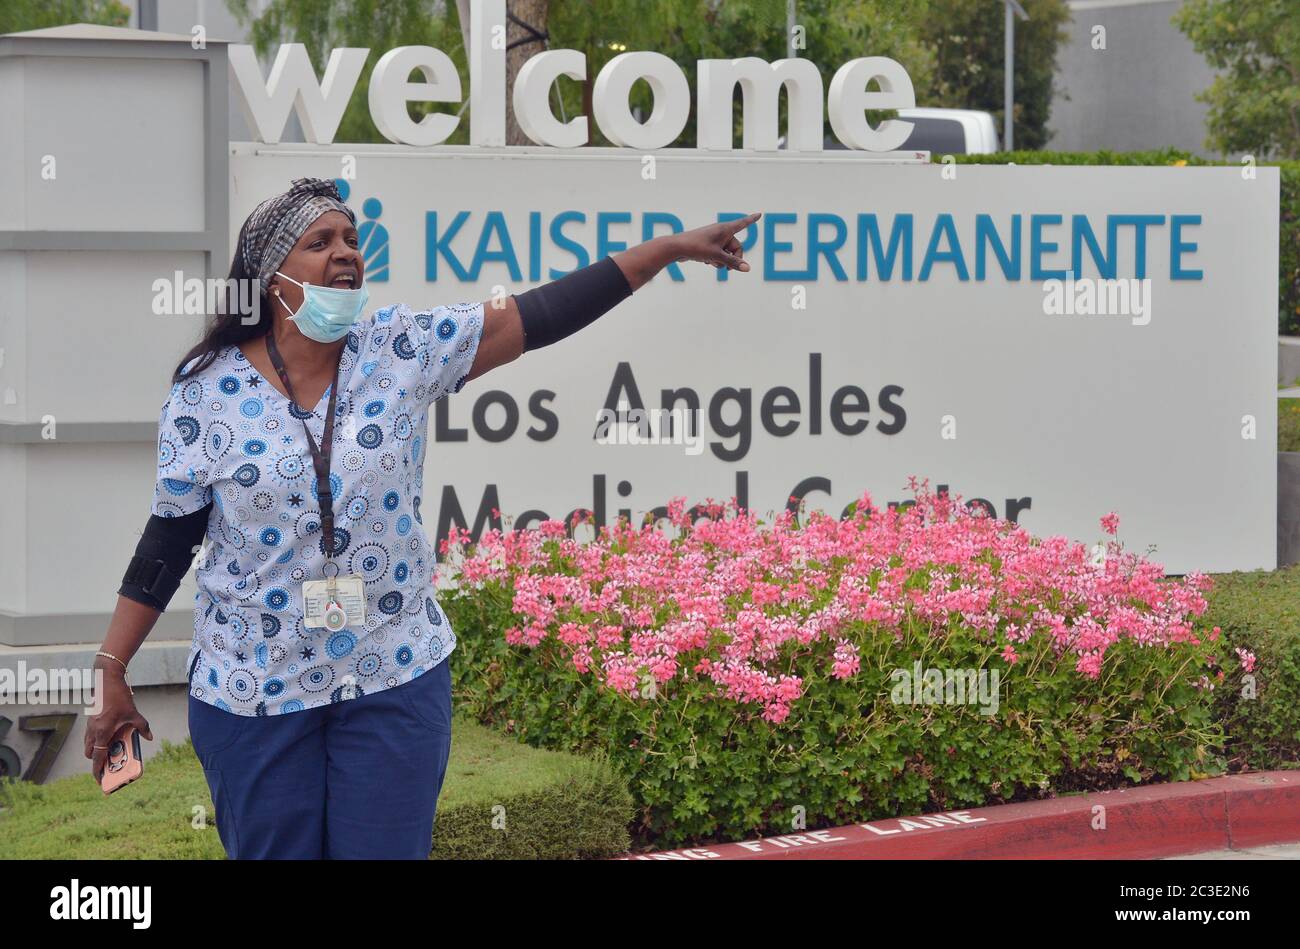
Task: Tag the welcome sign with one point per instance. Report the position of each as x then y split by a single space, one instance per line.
899 320
320 103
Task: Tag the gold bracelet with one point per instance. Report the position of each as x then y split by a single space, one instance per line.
109 655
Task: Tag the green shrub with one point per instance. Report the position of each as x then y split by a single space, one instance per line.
1288 424
701 769
1260 612
774 697
505 801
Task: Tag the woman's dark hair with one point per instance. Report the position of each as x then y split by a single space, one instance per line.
228 328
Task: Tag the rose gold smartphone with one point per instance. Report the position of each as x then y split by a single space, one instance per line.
125 763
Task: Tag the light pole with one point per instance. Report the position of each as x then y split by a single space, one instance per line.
790 15
1013 10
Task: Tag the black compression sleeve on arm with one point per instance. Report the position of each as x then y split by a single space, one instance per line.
561 308
163 556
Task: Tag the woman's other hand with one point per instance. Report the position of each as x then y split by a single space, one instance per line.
117 709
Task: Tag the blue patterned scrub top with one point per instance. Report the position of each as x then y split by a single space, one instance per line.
228 436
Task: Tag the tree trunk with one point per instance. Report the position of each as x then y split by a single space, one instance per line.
536 14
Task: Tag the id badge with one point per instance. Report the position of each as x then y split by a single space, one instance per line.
334 603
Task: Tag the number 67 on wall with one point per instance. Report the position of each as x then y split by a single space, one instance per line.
57 727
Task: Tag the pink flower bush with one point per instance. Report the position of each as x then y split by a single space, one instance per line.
729 599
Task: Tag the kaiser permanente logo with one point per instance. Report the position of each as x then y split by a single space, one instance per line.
372 237
103 902
1052 250
1047 249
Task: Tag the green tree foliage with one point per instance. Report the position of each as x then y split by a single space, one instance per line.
17 16
968 37
1255 46
832 32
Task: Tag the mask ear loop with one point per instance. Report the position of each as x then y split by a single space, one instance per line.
291 313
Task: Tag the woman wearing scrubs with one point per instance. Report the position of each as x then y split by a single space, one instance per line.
319 689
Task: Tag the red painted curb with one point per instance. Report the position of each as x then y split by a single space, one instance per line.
1160 820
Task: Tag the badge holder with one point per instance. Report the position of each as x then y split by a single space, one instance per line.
335 602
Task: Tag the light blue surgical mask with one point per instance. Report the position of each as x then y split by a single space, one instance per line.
327 313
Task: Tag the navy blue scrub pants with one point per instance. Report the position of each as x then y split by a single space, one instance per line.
357 779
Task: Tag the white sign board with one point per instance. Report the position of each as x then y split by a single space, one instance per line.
897 320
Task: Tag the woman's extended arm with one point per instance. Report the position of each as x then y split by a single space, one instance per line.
504 335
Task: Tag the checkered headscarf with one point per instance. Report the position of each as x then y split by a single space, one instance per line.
276 224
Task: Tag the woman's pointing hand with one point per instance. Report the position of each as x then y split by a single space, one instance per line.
715 244
712 244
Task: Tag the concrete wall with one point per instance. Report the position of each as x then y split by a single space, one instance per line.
115 155
1288 507
1288 360
1138 92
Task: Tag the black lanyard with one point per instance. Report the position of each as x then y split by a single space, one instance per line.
320 456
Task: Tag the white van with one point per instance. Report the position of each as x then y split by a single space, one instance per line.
941 132
950 131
